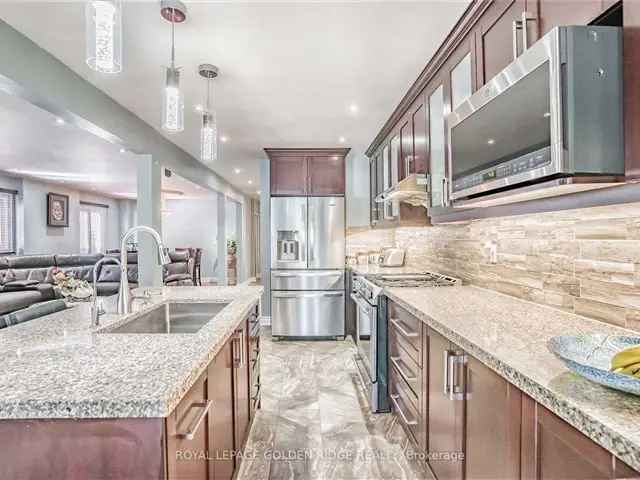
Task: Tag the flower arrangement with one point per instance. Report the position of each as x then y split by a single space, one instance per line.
69 286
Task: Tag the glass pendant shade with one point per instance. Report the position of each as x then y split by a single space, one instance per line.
209 138
104 35
173 103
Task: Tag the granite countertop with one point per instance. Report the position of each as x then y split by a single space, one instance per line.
509 335
372 269
58 367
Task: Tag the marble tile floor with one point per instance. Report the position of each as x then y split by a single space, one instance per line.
315 422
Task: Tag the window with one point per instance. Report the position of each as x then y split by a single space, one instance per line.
7 221
93 224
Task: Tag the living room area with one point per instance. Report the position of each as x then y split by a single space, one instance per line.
68 197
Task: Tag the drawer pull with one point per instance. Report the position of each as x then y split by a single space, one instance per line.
405 333
405 419
193 428
396 363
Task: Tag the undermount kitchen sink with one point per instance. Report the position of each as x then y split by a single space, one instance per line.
174 317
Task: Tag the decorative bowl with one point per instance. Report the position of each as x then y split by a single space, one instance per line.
590 356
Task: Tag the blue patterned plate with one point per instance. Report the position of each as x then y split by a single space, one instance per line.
590 356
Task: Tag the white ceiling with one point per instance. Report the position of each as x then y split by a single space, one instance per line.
33 145
289 71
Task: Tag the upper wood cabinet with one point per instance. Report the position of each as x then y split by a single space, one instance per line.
406 149
498 38
289 175
420 143
307 171
326 175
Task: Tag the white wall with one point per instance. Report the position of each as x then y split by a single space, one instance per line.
33 236
193 223
357 191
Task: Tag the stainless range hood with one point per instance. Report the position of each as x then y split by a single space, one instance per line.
412 190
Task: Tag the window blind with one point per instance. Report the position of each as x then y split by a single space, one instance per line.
7 222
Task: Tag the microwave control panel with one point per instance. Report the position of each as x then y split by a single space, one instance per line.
525 163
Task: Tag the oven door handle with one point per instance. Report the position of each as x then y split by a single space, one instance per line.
361 303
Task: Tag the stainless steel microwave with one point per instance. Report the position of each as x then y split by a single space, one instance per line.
554 112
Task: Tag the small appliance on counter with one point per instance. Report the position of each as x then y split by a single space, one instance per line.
392 257
371 327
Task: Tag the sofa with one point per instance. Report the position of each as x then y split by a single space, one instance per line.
28 280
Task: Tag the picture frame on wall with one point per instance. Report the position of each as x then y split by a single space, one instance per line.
57 210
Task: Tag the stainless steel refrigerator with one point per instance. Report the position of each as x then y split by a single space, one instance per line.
307 267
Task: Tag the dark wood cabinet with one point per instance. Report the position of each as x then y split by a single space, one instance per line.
306 171
495 38
240 386
326 175
187 432
492 424
553 449
254 362
289 175
220 390
446 415
473 422
406 166
420 143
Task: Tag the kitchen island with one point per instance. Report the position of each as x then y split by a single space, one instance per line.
96 403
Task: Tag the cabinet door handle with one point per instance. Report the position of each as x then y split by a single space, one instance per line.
396 363
193 428
456 392
405 419
523 24
446 355
243 342
517 25
405 333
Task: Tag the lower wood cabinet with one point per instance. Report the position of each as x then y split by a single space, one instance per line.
240 386
553 449
446 414
187 434
208 429
478 425
221 433
492 424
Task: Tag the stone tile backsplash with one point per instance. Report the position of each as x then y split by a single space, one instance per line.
585 261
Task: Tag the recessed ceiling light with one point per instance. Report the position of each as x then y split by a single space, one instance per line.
491 141
258 192
122 150
250 182
59 121
236 171
198 108
223 139
353 108
342 139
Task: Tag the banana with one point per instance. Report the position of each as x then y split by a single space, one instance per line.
626 358
633 370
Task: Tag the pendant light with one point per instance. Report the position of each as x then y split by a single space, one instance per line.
208 129
174 12
103 25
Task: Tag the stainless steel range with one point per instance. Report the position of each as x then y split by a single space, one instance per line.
371 326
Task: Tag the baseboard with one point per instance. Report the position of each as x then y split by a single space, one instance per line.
265 321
